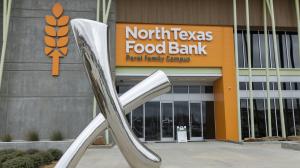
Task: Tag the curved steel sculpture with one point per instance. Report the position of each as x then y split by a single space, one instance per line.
91 38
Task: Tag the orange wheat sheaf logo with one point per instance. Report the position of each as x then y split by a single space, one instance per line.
56 36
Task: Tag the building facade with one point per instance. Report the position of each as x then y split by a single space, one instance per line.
233 64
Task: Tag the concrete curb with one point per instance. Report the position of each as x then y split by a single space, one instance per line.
45 145
40 145
291 145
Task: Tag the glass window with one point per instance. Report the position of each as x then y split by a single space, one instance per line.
271 51
288 117
262 49
286 86
257 85
245 49
282 50
180 89
274 118
273 85
245 118
294 86
167 119
259 118
152 121
181 116
289 51
243 85
278 117
297 115
255 58
279 54
124 88
194 89
298 85
240 50
209 89
196 121
294 50
138 122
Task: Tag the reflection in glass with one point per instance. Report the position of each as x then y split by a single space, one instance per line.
124 88
243 85
288 117
259 118
152 121
297 115
181 115
138 122
196 123
255 50
257 85
245 118
128 117
208 119
294 50
167 120
262 49
180 89
240 50
209 89
282 51
194 89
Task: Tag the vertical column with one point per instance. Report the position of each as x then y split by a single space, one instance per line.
105 14
271 11
6 19
250 70
267 69
237 69
225 93
298 22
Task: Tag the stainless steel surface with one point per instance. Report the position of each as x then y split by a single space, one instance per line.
155 85
91 38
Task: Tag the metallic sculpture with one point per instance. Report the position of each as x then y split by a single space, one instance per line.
91 38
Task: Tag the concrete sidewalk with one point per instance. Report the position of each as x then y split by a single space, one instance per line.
202 154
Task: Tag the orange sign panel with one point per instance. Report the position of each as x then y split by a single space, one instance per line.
56 36
171 45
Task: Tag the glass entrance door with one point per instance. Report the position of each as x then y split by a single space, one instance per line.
167 127
196 121
138 122
181 116
152 121
158 119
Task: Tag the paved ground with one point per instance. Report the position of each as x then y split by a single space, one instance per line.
202 155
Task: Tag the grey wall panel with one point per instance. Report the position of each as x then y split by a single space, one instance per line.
3 113
41 83
1 23
73 5
25 43
47 114
30 98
